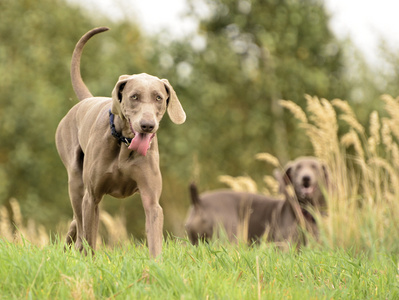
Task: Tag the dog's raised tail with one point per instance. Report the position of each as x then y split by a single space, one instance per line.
81 90
194 194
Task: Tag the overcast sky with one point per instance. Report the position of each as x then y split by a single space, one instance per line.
363 21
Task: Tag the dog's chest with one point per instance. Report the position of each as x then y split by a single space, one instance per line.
119 185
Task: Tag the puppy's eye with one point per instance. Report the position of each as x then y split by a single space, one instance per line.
134 97
159 98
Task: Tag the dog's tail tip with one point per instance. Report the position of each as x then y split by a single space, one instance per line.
80 88
101 29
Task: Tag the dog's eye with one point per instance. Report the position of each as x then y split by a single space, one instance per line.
159 98
134 97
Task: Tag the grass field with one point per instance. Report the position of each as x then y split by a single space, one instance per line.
209 271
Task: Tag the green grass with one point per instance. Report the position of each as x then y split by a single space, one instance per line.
209 271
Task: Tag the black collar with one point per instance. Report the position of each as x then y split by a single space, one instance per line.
115 134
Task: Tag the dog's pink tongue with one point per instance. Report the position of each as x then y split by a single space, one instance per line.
307 190
141 143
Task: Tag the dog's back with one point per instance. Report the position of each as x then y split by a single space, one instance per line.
237 213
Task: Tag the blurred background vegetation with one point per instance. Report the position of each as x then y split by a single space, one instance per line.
245 57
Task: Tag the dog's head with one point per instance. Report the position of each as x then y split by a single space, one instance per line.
308 177
141 100
199 223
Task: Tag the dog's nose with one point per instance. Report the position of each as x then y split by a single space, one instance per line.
147 126
306 181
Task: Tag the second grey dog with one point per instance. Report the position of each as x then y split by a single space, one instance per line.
258 214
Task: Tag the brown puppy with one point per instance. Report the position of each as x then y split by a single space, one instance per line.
109 146
258 214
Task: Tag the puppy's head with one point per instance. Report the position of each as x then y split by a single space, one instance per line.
309 177
141 100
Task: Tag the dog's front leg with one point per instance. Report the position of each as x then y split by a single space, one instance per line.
154 227
150 192
90 216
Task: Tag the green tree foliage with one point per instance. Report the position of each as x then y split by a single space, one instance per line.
37 40
389 70
256 53
35 45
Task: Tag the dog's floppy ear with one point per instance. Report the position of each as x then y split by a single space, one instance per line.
284 179
117 95
287 176
279 177
175 110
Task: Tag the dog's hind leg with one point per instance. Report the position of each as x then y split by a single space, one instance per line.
72 234
76 192
90 207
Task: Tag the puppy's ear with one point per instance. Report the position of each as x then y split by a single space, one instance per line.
117 95
175 110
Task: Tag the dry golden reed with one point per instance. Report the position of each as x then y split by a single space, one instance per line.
322 132
6 228
386 133
272 184
240 183
268 158
395 155
375 127
15 229
375 138
352 122
115 227
295 109
322 115
352 139
392 108
344 106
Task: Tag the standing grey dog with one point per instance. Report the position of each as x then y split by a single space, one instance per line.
259 214
109 146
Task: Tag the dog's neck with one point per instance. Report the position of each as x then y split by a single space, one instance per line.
293 207
116 133
308 216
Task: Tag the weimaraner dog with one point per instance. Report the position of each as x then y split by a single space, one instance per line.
279 218
109 146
